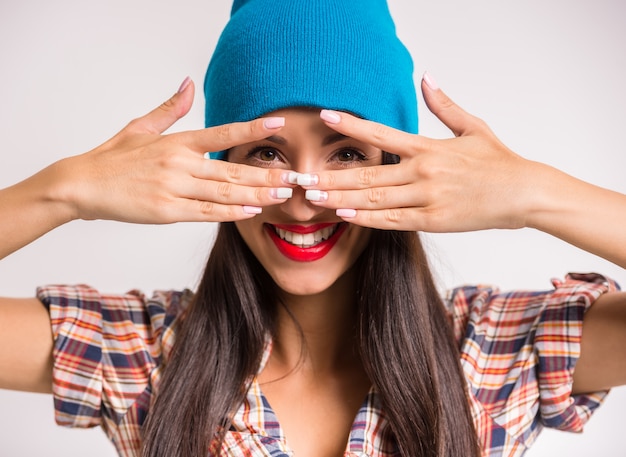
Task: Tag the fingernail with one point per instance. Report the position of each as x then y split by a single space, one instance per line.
305 179
252 209
184 85
316 195
332 117
290 177
281 192
430 82
346 212
274 122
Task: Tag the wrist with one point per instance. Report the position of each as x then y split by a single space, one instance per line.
57 192
550 197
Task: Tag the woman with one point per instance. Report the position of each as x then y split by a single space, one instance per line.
290 308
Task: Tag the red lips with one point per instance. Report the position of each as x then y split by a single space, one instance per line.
302 254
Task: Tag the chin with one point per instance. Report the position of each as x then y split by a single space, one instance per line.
303 285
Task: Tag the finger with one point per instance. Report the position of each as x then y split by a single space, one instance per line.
413 219
360 178
165 115
372 198
221 171
381 136
226 136
189 210
235 194
453 116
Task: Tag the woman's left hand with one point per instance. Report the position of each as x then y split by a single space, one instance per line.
470 182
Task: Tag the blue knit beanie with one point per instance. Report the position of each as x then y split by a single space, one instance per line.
335 54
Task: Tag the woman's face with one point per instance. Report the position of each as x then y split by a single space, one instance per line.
305 248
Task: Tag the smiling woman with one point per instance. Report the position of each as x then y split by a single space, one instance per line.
317 328
298 230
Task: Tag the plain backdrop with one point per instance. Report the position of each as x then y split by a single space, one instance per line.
548 77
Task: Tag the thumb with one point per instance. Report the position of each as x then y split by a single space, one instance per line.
448 112
164 116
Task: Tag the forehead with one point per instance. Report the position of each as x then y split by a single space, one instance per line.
304 124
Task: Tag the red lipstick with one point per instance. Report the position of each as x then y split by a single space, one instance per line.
302 254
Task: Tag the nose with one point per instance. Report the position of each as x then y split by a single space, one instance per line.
299 208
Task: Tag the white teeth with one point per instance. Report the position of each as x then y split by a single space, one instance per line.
297 239
306 240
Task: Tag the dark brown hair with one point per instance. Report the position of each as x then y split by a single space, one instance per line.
405 338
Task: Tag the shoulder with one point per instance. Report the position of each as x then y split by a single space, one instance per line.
116 306
83 310
518 350
487 306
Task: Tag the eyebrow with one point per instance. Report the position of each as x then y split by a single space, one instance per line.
330 139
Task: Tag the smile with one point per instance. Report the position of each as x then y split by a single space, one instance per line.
306 240
305 243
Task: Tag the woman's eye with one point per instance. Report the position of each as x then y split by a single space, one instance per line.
349 155
263 155
267 155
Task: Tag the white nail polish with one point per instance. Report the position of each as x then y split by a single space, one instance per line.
282 192
252 209
316 195
292 177
307 180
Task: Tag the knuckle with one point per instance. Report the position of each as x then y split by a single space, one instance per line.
426 169
224 189
259 195
233 171
375 195
169 159
134 126
271 178
223 133
367 175
167 105
253 127
392 215
331 180
207 208
380 132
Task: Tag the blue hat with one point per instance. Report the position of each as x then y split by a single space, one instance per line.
336 54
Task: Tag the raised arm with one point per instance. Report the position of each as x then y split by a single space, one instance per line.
140 175
470 182
143 176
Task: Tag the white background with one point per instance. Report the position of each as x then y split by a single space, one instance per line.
547 76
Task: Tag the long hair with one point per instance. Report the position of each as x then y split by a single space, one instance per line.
405 339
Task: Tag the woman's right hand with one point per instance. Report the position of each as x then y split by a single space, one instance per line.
143 176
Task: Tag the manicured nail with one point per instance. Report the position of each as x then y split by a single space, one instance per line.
305 179
316 195
332 117
274 122
252 209
184 85
281 192
290 177
348 213
430 82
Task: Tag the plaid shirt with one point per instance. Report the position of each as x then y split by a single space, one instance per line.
518 351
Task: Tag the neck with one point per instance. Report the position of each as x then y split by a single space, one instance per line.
318 332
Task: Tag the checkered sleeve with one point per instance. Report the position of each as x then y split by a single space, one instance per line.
106 349
518 351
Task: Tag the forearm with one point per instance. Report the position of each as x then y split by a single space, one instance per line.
30 209
585 215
